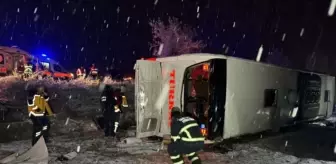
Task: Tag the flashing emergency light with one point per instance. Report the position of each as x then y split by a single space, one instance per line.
48 58
44 55
205 67
202 126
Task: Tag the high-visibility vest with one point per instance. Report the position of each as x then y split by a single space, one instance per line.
124 101
39 106
79 72
28 69
186 129
94 71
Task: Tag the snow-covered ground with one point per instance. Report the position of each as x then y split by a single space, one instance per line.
303 145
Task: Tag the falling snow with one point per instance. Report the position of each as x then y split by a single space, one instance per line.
302 32
155 2
283 37
43 27
332 7
260 51
35 10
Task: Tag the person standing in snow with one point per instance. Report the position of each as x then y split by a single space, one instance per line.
93 72
121 103
28 70
186 138
81 72
110 109
39 109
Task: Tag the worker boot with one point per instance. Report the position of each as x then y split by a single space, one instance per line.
197 162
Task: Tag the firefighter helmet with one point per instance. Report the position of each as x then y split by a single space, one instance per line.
176 112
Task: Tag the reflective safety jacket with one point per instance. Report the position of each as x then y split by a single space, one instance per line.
93 71
121 100
186 129
108 102
28 69
38 105
79 72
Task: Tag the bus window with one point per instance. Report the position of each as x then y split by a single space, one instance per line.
270 98
58 68
46 65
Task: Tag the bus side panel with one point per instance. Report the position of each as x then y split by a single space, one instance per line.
163 99
173 74
247 84
327 95
331 88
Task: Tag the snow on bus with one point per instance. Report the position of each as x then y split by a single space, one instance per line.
228 96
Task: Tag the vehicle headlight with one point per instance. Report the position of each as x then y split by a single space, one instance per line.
72 75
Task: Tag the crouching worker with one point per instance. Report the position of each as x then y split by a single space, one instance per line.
108 106
39 109
186 138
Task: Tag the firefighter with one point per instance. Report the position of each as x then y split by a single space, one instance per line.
186 138
121 103
110 109
20 67
79 73
93 72
119 96
39 109
28 70
83 70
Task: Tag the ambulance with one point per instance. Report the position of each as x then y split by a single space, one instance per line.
12 61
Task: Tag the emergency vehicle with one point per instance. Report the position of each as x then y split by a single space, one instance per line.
228 96
13 58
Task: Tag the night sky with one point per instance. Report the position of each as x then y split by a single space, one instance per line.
114 33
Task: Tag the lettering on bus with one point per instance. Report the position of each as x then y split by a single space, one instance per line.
171 95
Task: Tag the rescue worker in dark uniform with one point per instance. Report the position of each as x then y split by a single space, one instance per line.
109 108
121 103
186 138
39 109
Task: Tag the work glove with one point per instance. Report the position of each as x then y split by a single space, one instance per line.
166 139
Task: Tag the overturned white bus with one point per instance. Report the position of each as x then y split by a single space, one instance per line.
228 96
